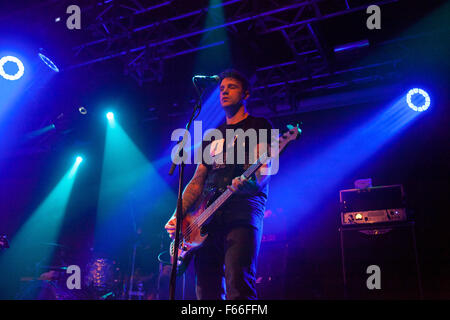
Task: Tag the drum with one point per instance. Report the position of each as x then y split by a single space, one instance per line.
102 275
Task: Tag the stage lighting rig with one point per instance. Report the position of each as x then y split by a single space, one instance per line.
20 67
414 94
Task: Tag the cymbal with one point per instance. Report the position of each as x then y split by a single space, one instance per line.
53 267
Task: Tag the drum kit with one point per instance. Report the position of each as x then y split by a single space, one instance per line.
102 278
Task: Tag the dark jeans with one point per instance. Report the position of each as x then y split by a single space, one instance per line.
226 262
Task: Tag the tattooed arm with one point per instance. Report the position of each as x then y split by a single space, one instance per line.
251 186
190 195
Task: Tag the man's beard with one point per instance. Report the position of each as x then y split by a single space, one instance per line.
231 110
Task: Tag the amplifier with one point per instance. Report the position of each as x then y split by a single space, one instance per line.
392 251
372 205
373 216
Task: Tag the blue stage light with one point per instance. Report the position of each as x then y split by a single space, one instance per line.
20 71
111 119
351 46
416 93
75 167
110 116
49 62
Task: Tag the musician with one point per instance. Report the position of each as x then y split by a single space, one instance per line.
225 264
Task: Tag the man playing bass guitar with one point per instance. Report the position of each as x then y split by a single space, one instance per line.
225 264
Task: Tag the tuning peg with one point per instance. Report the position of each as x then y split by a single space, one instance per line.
290 127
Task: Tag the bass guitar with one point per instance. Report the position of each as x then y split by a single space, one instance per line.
193 223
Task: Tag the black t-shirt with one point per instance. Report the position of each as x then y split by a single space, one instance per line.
239 209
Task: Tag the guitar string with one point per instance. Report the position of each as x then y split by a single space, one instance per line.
204 216
198 222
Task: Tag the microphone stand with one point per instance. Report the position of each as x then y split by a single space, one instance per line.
136 239
179 210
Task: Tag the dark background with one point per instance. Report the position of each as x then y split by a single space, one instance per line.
416 157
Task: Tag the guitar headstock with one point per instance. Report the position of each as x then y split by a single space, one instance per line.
292 134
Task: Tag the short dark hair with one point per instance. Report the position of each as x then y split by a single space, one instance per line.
233 73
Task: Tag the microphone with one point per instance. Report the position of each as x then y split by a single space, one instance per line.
214 78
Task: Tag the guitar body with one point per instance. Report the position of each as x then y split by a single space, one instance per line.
192 236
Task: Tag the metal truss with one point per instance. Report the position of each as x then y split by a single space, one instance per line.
285 96
144 37
170 30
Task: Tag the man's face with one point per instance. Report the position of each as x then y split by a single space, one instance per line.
231 93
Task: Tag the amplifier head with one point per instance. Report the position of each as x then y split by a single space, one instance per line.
372 205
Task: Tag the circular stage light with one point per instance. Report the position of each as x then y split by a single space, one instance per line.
110 116
79 159
413 93
48 62
19 64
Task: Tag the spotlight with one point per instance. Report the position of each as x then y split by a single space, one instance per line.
110 116
49 62
82 110
415 94
19 64
75 167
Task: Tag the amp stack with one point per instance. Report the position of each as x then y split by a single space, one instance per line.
378 244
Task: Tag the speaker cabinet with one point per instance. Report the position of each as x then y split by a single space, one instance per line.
380 262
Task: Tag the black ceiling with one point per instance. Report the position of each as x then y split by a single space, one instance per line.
150 49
